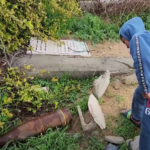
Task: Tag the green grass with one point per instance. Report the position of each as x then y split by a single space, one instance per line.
96 29
67 92
61 140
93 28
53 140
124 147
70 93
57 140
125 128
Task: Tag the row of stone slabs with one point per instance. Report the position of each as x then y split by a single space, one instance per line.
62 47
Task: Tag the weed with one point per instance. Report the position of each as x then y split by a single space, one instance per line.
124 147
100 100
65 90
108 124
93 28
125 128
95 144
117 97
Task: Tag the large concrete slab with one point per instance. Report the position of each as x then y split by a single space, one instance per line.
76 67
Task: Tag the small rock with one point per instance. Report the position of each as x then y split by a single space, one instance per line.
111 147
110 47
95 133
135 144
45 89
115 139
19 110
117 84
131 79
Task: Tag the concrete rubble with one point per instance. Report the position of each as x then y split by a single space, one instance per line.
131 79
134 144
86 127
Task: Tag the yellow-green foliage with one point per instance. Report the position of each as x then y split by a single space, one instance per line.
17 90
18 87
60 16
21 19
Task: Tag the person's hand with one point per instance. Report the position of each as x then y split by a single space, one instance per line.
147 96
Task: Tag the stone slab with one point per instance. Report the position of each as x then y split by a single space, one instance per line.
76 67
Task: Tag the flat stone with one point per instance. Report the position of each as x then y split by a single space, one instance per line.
131 79
111 147
114 139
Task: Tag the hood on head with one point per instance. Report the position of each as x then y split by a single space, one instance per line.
131 27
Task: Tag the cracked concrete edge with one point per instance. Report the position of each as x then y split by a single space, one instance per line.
76 67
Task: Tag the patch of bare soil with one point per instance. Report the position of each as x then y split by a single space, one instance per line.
108 49
113 102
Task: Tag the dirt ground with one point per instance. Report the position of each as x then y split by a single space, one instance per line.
116 49
113 101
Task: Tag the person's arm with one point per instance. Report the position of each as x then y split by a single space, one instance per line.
140 51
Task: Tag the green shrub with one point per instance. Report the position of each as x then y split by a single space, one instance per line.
60 16
17 90
21 19
93 28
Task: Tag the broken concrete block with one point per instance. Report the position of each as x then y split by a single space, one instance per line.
96 111
100 85
135 144
131 79
86 127
111 147
114 139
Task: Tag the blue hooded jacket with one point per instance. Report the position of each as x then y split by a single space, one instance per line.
134 31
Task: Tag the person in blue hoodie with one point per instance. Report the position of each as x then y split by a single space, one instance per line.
134 35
